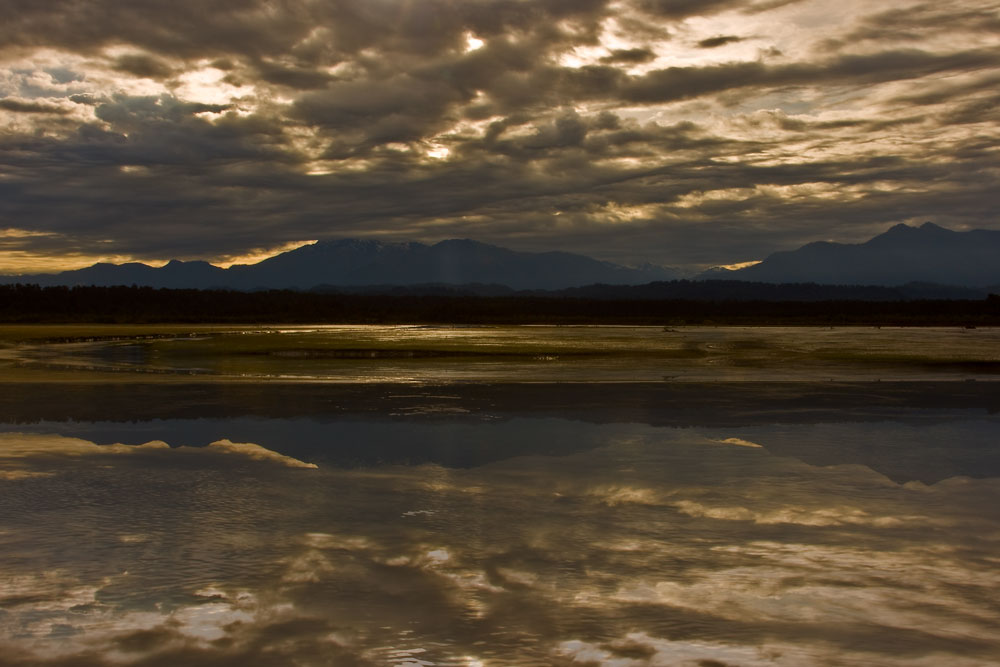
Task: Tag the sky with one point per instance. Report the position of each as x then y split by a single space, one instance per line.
684 133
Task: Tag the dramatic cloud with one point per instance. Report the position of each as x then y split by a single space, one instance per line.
721 40
23 446
670 131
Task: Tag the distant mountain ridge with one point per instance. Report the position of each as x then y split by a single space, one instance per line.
928 255
357 262
901 255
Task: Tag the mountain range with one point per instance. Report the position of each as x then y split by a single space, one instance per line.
356 262
902 255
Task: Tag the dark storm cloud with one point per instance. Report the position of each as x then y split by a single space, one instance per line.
83 99
143 65
302 78
721 40
638 55
684 8
30 106
404 108
684 82
915 23
311 30
521 200
335 112
164 131
186 28
408 107
947 91
982 110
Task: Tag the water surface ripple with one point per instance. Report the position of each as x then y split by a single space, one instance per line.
631 523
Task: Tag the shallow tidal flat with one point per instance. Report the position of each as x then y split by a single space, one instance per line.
443 354
499 496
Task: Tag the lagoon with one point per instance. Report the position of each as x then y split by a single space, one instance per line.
499 496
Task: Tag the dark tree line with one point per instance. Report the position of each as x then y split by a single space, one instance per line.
134 305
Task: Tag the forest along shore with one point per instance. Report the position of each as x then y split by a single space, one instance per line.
136 305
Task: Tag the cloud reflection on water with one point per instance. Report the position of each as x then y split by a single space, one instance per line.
658 547
39 446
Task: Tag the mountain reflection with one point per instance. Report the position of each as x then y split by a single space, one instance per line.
623 543
907 430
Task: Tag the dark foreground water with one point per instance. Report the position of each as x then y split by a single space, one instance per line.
701 524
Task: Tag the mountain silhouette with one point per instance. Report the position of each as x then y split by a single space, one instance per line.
903 254
927 255
355 262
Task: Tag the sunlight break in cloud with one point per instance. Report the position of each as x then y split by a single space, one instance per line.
209 133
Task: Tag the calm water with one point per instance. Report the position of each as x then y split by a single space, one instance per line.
146 520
